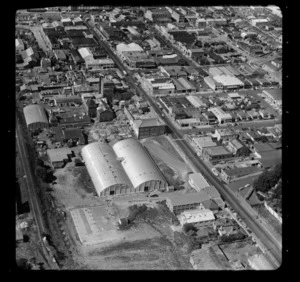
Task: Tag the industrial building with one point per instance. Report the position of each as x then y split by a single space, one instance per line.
197 181
59 157
144 128
226 81
139 166
105 170
217 154
178 203
157 86
200 215
124 168
221 115
203 142
35 116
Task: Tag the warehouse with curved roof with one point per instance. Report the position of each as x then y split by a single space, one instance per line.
105 170
35 116
139 166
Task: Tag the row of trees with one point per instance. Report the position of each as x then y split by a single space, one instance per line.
44 172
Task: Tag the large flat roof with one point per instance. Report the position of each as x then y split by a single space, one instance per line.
217 150
178 199
198 180
227 80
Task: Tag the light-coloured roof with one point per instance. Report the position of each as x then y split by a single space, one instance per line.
194 100
19 43
85 52
204 141
212 191
218 112
197 215
234 95
215 71
130 47
228 80
104 167
58 155
137 162
198 180
186 199
35 113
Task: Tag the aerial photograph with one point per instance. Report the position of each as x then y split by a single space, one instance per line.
148 138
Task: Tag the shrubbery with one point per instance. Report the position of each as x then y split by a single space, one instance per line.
268 179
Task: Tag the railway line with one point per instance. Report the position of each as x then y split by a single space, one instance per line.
33 199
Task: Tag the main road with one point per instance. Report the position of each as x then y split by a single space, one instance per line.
271 243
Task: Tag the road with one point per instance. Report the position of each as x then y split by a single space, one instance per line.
272 245
33 199
190 62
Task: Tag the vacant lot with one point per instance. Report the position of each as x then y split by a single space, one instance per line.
239 251
74 188
156 253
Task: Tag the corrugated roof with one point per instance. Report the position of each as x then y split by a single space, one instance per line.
104 167
35 113
137 162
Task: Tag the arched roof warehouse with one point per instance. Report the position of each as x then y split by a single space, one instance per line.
35 114
105 169
139 166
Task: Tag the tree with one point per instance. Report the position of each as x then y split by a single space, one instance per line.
41 172
243 152
189 226
267 179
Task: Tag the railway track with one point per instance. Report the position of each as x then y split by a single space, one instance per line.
33 199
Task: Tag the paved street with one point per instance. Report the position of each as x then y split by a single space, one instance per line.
271 244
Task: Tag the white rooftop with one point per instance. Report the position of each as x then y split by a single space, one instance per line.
227 80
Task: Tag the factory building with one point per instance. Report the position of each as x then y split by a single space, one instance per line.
222 116
122 169
105 170
139 166
35 116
